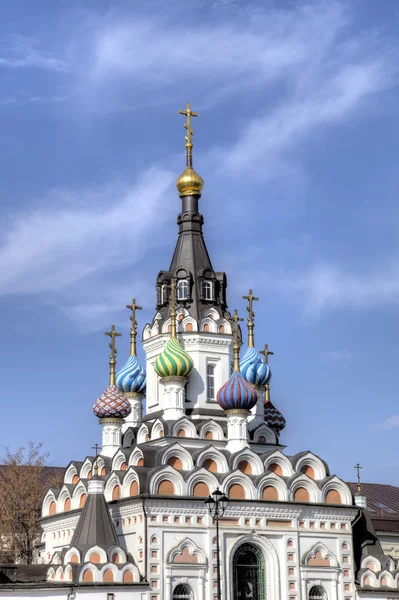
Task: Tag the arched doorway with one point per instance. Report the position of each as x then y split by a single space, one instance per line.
183 592
249 574
317 593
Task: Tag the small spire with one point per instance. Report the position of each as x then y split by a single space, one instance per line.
236 339
266 353
358 468
133 328
251 314
173 309
112 357
187 125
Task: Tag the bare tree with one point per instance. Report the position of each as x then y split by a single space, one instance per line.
24 479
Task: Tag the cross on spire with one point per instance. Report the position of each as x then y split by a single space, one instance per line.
187 125
112 357
96 447
251 315
358 468
133 328
236 338
266 353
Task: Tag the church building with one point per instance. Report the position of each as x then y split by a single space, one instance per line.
202 473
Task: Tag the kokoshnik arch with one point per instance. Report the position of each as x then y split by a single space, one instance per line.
132 523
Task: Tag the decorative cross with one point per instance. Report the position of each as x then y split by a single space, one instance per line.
172 302
112 357
133 328
236 338
358 468
266 353
96 447
251 315
187 125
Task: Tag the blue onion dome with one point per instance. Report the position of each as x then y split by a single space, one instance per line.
132 377
273 418
237 394
112 403
173 361
254 369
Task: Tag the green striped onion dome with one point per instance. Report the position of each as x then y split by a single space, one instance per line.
173 361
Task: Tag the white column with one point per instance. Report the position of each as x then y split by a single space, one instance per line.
112 435
237 434
135 417
173 396
257 414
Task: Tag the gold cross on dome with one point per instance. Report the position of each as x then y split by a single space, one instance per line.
112 357
133 328
236 338
187 125
266 353
251 298
358 468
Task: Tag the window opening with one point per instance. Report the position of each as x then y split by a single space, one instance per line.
183 592
317 593
182 289
249 574
164 294
207 290
210 383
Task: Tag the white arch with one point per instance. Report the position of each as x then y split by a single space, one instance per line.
135 457
251 457
62 497
157 429
89 567
186 425
374 561
277 482
111 567
278 458
120 552
70 553
70 473
50 573
244 481
177 450
271 561
388 576
337 484
85 469
128 479
215 428
172 475
264 431
142 434
313 461
68 573
324 551
128 438
302 480
133 569
201 476
211 323
118 460
112 481
193 549
188 320
373 579
78 492
95 550
48 499
214 454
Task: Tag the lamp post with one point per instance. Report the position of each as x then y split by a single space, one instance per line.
217 504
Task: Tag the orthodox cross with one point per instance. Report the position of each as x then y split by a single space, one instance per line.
172 301
251 315
187 125
358 468
96 447
112 357
266 353
236 338
133 328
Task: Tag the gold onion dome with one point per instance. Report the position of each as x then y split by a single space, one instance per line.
189 183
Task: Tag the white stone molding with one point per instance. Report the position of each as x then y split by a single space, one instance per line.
78 492
277 482
213 453
250 456
89 567
129 478
70 553
242 479
70 473
388 576
337 484
111 482
374 561
185 424
132 569
266 432
302 480
96 550
373 579
135 457
62 497
119 551
193 549
47 500
143 432
201 476
118 460
86 468
172 475
128 438
278 458
325 553
213 427
184 455
311 460
157 430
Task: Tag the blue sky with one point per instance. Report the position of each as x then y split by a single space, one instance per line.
297 142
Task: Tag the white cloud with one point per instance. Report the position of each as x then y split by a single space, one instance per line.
390 423
22 52
77 235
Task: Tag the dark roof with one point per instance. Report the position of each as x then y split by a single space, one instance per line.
382 504
95 526
22 573
365 541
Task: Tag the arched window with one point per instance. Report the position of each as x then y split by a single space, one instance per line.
182 289
317 593
249 573
207 290
210 383
183 592
164 293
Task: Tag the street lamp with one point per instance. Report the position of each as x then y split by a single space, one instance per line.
217 506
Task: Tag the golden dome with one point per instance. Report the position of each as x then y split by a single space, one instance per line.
189 183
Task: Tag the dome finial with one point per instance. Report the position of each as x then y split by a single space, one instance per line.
236 339
133 328
266 353
189 183
251 314
112 357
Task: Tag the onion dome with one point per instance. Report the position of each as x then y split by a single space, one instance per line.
173 361
254 369
273 418
112 403
189 183
237 394
132 377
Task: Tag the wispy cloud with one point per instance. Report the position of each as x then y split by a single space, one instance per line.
77 235
390 423
22 52
338 355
